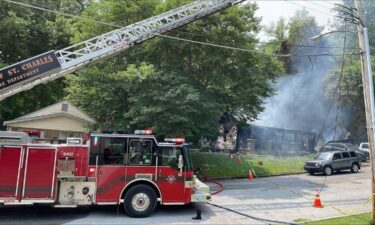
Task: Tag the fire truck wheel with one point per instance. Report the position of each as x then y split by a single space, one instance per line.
140 201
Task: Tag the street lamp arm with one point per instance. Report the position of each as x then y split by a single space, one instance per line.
317 37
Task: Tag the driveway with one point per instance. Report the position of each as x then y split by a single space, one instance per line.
290 198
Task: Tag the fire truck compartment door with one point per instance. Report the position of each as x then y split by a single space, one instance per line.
10 166
77 193
40 173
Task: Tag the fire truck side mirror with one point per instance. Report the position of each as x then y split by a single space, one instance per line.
180 163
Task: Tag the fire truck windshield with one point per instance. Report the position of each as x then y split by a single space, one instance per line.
169 156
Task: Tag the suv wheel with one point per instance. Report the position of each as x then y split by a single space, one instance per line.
328 170
355 168
311 172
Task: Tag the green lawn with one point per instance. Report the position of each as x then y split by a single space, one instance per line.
217 165
360 219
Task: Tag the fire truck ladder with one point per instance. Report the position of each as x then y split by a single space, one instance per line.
90 51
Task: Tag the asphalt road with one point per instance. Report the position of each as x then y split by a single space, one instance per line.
283 198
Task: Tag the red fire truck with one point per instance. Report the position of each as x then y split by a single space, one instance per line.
133 170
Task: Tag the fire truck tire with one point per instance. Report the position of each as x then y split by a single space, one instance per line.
140 201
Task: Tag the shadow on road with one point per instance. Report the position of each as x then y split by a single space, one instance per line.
43 215
40 215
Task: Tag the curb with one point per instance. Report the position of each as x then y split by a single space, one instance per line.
273 175
258 176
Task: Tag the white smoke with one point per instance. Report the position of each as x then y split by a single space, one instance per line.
300 104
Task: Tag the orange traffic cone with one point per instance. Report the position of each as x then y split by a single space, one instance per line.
251 177
317 202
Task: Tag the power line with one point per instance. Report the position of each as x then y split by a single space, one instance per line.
59 13
223 46
274 43
314 3
338 90
304 46
160 35
250 50
327 3
114 25
316 10
174 38
307 7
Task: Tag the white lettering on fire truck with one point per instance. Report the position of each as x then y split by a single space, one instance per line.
67 154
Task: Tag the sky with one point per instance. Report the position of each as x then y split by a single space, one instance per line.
272 10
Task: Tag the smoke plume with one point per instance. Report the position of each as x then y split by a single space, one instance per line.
300 103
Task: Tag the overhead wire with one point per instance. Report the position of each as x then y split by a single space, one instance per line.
328 3
338 92
213 45
59 13
307 7
255 51
340 82
316 10
319 5
224 46
274 42
171 37
305 46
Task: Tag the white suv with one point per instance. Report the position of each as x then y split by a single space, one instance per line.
364 147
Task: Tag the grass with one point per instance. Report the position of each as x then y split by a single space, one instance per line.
222 166
360 219
300 220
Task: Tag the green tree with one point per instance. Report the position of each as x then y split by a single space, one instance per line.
351 91
189 85
347 87
290 37
278 44
25 33
278 31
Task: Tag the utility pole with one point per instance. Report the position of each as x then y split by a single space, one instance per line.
368 92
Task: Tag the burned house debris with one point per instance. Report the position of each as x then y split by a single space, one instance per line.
271 140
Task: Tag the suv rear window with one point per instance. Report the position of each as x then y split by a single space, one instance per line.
345 155
352 154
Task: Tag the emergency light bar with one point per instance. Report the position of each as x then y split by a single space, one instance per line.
175 140
146 132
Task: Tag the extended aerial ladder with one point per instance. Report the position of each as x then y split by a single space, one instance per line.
55 64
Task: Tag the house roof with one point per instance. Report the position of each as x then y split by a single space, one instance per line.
62 108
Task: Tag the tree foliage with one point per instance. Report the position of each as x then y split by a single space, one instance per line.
176 87
289 37
25 33
351 91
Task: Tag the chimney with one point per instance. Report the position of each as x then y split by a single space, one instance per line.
64 107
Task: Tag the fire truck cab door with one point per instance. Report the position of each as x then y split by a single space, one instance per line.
10 169
111 170
170 179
